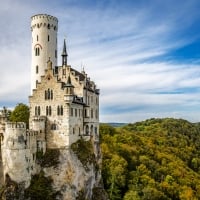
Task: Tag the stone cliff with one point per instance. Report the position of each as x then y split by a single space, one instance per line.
63 174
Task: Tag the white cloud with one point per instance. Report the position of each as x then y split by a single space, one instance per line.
114 43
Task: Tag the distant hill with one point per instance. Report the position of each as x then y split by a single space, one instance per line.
154 159
115 124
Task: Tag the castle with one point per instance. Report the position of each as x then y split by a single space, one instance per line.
64 106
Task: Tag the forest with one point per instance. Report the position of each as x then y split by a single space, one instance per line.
152 159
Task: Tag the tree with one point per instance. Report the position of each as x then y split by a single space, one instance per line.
20 114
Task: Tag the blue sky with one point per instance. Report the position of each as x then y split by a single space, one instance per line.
143 55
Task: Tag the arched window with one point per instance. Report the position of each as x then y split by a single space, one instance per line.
37 51
87 130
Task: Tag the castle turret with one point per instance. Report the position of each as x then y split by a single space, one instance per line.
44 45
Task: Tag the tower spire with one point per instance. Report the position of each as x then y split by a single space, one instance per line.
64 54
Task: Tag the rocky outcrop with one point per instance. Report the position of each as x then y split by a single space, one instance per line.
64 174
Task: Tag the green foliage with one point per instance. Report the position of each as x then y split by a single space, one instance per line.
153 159
85 153
20 114
49 159
40 188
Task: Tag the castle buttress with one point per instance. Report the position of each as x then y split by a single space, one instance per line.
64 106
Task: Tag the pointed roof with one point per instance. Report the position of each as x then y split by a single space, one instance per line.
64 53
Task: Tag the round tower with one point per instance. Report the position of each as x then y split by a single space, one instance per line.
44 45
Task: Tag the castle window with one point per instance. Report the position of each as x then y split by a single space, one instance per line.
37 51
37 38
91 113
48 26
73 130
47 110
96 114
54 127
61 110
58 110
48 38
37 69
75 112
39 110
46 95
87 130
55 53
51 94
71 111
79 131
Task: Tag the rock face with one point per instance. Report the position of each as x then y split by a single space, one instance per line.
63 174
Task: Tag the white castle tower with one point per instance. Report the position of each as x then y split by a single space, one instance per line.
44 45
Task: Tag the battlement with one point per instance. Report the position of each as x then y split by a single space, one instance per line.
44 16
44 20
15 125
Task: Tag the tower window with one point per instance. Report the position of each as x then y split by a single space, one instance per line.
55 53
37 51
48 38
37 38
48 26
37 69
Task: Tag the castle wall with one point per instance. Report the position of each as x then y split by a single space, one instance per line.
19 152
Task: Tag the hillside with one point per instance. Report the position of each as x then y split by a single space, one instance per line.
153 159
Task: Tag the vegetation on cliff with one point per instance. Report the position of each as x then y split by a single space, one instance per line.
85 152
153 159
20 114
41 188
